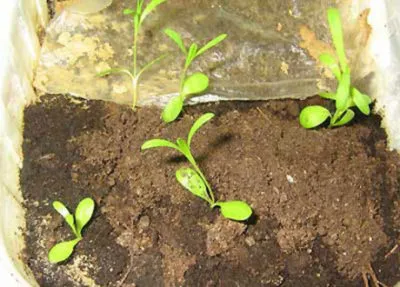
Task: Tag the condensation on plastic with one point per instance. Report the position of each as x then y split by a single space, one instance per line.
89 6
270 52
385 48
19 52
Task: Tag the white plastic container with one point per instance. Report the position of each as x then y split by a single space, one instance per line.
20 21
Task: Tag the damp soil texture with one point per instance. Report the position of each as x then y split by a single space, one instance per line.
326 201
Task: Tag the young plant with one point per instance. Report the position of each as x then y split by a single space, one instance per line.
138 15
83 213
189 85
346 96
193 178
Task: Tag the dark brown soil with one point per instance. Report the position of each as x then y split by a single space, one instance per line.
326 202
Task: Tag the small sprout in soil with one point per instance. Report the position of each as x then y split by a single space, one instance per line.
138 16
83 213
193 178
346 96
189 85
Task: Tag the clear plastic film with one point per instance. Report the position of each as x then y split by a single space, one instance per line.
271 51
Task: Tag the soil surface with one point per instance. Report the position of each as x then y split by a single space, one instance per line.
326 201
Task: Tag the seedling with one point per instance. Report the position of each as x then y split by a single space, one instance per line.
189 85
193 178
346 96
138 15
83 213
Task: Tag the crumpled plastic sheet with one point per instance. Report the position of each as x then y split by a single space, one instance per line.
271 51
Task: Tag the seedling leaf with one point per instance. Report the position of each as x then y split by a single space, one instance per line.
343 91
362 101
62 251
139 5
350 103
211 44
335 25
235 210
61 208
158 143
348 116
313 116
327 95
367 98
190 180
197 125
195 84
129 11
83 213
176 38
68 217
329 61
183 147
191 55
149 8
150 64
172 109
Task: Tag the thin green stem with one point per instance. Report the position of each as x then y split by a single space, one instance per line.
136 34
76 232
336 117
135 83
135 79
182 80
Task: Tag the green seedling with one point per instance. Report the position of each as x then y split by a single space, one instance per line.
346 96
83 213
193 178
138 15
189 85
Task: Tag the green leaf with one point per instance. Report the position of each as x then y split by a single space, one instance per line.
83 213
176 38
211 44
195 84
68 217
313 116
190 180
235 210
350 103
335 25
183 147
129 11
158 143
149 65
149 8
330 61
343 91
348 116
191 55
328 95
139 5
197 125
355 90
62 251
172 109
61 208
362 101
